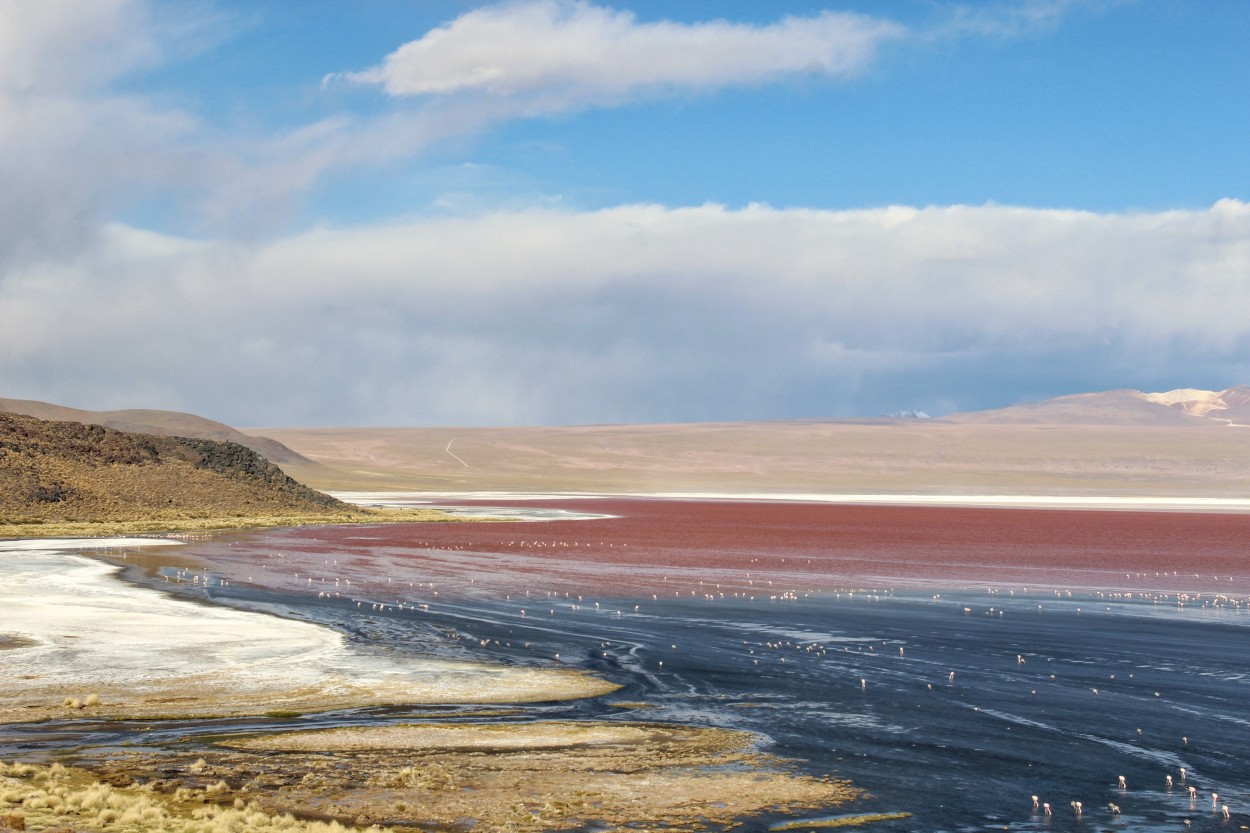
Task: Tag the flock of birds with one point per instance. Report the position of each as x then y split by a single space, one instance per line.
746 586
417 596
1217 806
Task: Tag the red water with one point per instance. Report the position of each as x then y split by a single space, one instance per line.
694 548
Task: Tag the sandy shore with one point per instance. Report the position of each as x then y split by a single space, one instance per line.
78 640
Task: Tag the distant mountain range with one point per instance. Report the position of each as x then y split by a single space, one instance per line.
1185 406
1181 442
1126 407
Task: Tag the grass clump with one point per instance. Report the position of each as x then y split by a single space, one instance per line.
54 797
188 523
840 821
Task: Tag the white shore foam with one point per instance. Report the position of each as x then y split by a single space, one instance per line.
1121 502
80 630
404 500
64 544
426 498
1126 502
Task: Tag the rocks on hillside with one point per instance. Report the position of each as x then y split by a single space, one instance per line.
68 471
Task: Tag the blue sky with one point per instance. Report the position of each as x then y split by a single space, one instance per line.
1100 106
549 211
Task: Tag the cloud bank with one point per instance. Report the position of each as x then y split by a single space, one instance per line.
629 313
68 145
637 313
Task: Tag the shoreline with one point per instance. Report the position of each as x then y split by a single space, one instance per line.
76 630
398 506
43 530
118 650
1129 503
533 775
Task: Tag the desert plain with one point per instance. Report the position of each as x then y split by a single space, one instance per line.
888 457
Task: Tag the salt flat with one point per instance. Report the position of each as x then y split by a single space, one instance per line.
1174 503
1166 503
74 629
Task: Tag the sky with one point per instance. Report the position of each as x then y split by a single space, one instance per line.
551 212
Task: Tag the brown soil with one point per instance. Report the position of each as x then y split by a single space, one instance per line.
8 642
67 472
502 776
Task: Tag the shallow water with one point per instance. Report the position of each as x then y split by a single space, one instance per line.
945 698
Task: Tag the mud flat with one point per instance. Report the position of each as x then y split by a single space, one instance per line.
550 775
79 642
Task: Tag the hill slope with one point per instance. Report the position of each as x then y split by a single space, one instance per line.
1125 407
65 472
1179 443
159 423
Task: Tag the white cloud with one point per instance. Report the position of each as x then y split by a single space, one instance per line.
554 55
66 46
79 139
1013 19
70 146
638 313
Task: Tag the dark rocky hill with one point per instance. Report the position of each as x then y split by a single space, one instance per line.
160 423
68 472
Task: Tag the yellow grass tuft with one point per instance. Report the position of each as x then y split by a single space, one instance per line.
15 528
52 797
840 821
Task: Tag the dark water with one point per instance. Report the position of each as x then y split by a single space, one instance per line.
824 681
953 705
